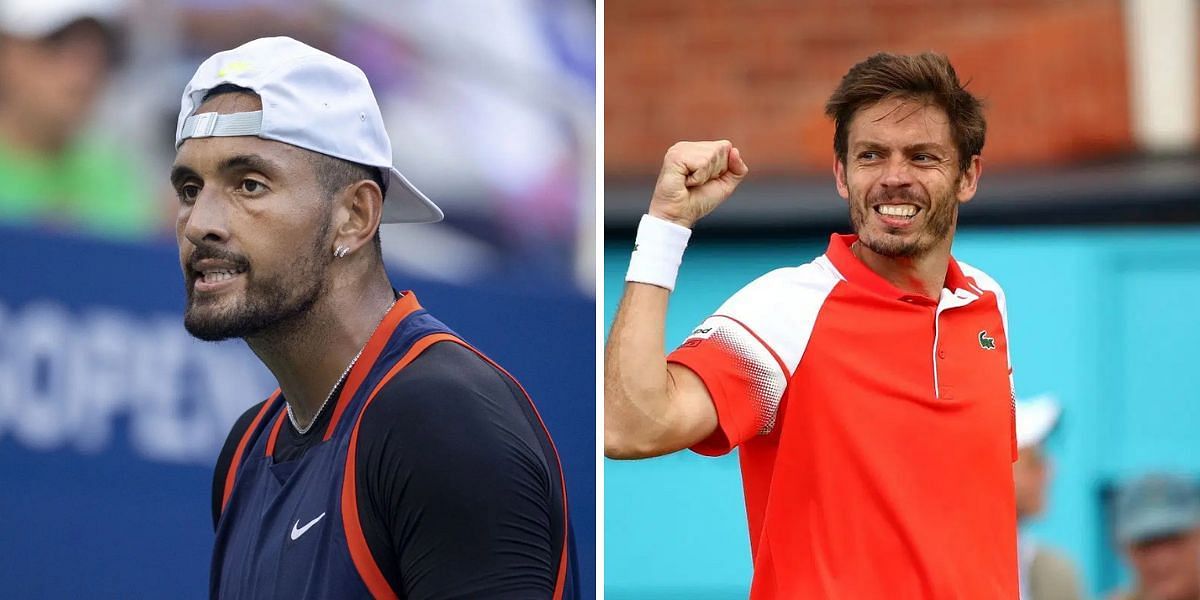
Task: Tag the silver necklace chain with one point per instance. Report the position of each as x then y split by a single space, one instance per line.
317 415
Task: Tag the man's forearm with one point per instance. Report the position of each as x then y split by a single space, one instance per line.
636 393
649 409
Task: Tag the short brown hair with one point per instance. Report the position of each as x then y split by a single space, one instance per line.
927 76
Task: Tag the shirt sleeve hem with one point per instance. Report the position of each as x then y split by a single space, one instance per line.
731 422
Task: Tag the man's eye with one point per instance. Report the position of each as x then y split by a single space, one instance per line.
251 186
188 192
869 155
923 158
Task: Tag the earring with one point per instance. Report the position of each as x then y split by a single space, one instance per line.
341 251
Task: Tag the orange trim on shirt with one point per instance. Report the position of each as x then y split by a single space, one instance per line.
275 433
360 553
406 305
560 585
231 474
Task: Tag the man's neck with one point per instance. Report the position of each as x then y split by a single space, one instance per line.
309 356
923 275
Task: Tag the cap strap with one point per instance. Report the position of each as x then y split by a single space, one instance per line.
214 124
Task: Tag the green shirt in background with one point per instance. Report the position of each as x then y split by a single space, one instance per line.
92 188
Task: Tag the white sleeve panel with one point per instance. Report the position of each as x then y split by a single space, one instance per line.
764 329
764 377
781 307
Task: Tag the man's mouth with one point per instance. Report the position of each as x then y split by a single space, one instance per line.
897 211
209 273
217 276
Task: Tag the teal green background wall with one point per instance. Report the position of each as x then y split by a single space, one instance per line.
1105 319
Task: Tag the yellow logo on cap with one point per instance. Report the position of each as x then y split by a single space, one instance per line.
236 66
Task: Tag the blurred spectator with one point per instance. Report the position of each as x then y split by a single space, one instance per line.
497 112
494 103
1045 573
55 59
215 25
1158 528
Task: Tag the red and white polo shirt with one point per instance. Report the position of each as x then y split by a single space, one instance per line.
876 430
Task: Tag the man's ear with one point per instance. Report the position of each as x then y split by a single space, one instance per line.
360 209
968 181
839 177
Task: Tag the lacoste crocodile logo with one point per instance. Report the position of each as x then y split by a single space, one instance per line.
985 342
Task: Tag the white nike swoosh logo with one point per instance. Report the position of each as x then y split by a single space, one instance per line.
298 531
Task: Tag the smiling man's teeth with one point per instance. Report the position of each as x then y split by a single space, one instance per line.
216 276
897 210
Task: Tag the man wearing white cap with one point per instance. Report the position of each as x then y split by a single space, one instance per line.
55 59
1045 574
394 461
1158 530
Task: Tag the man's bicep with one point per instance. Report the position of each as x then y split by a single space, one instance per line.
742 376
693 412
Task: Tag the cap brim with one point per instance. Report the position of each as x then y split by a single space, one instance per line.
55 16
1155 524
404 203
1036 418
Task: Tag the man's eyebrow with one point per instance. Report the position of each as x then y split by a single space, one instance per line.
237 162
925 146
868 145
250 162
180 173
908 149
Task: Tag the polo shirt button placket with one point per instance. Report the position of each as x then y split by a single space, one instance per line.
944 391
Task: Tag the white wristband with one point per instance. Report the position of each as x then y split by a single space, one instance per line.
657 252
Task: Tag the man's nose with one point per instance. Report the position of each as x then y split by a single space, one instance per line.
207 219
897 174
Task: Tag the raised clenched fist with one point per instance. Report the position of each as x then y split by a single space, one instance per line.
696 177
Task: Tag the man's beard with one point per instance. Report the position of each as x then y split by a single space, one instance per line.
939 219
268 305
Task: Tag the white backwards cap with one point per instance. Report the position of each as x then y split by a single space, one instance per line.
39 18
1036 418
311 100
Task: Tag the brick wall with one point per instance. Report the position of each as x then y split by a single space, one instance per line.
1053 74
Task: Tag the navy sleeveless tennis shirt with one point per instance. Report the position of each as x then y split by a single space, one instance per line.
306 528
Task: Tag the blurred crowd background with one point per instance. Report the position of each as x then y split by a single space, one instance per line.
1088 213
110 415
490 105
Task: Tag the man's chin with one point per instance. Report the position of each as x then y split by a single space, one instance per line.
210 330
892 245
208 323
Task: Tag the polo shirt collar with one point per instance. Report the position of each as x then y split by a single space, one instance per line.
858 273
